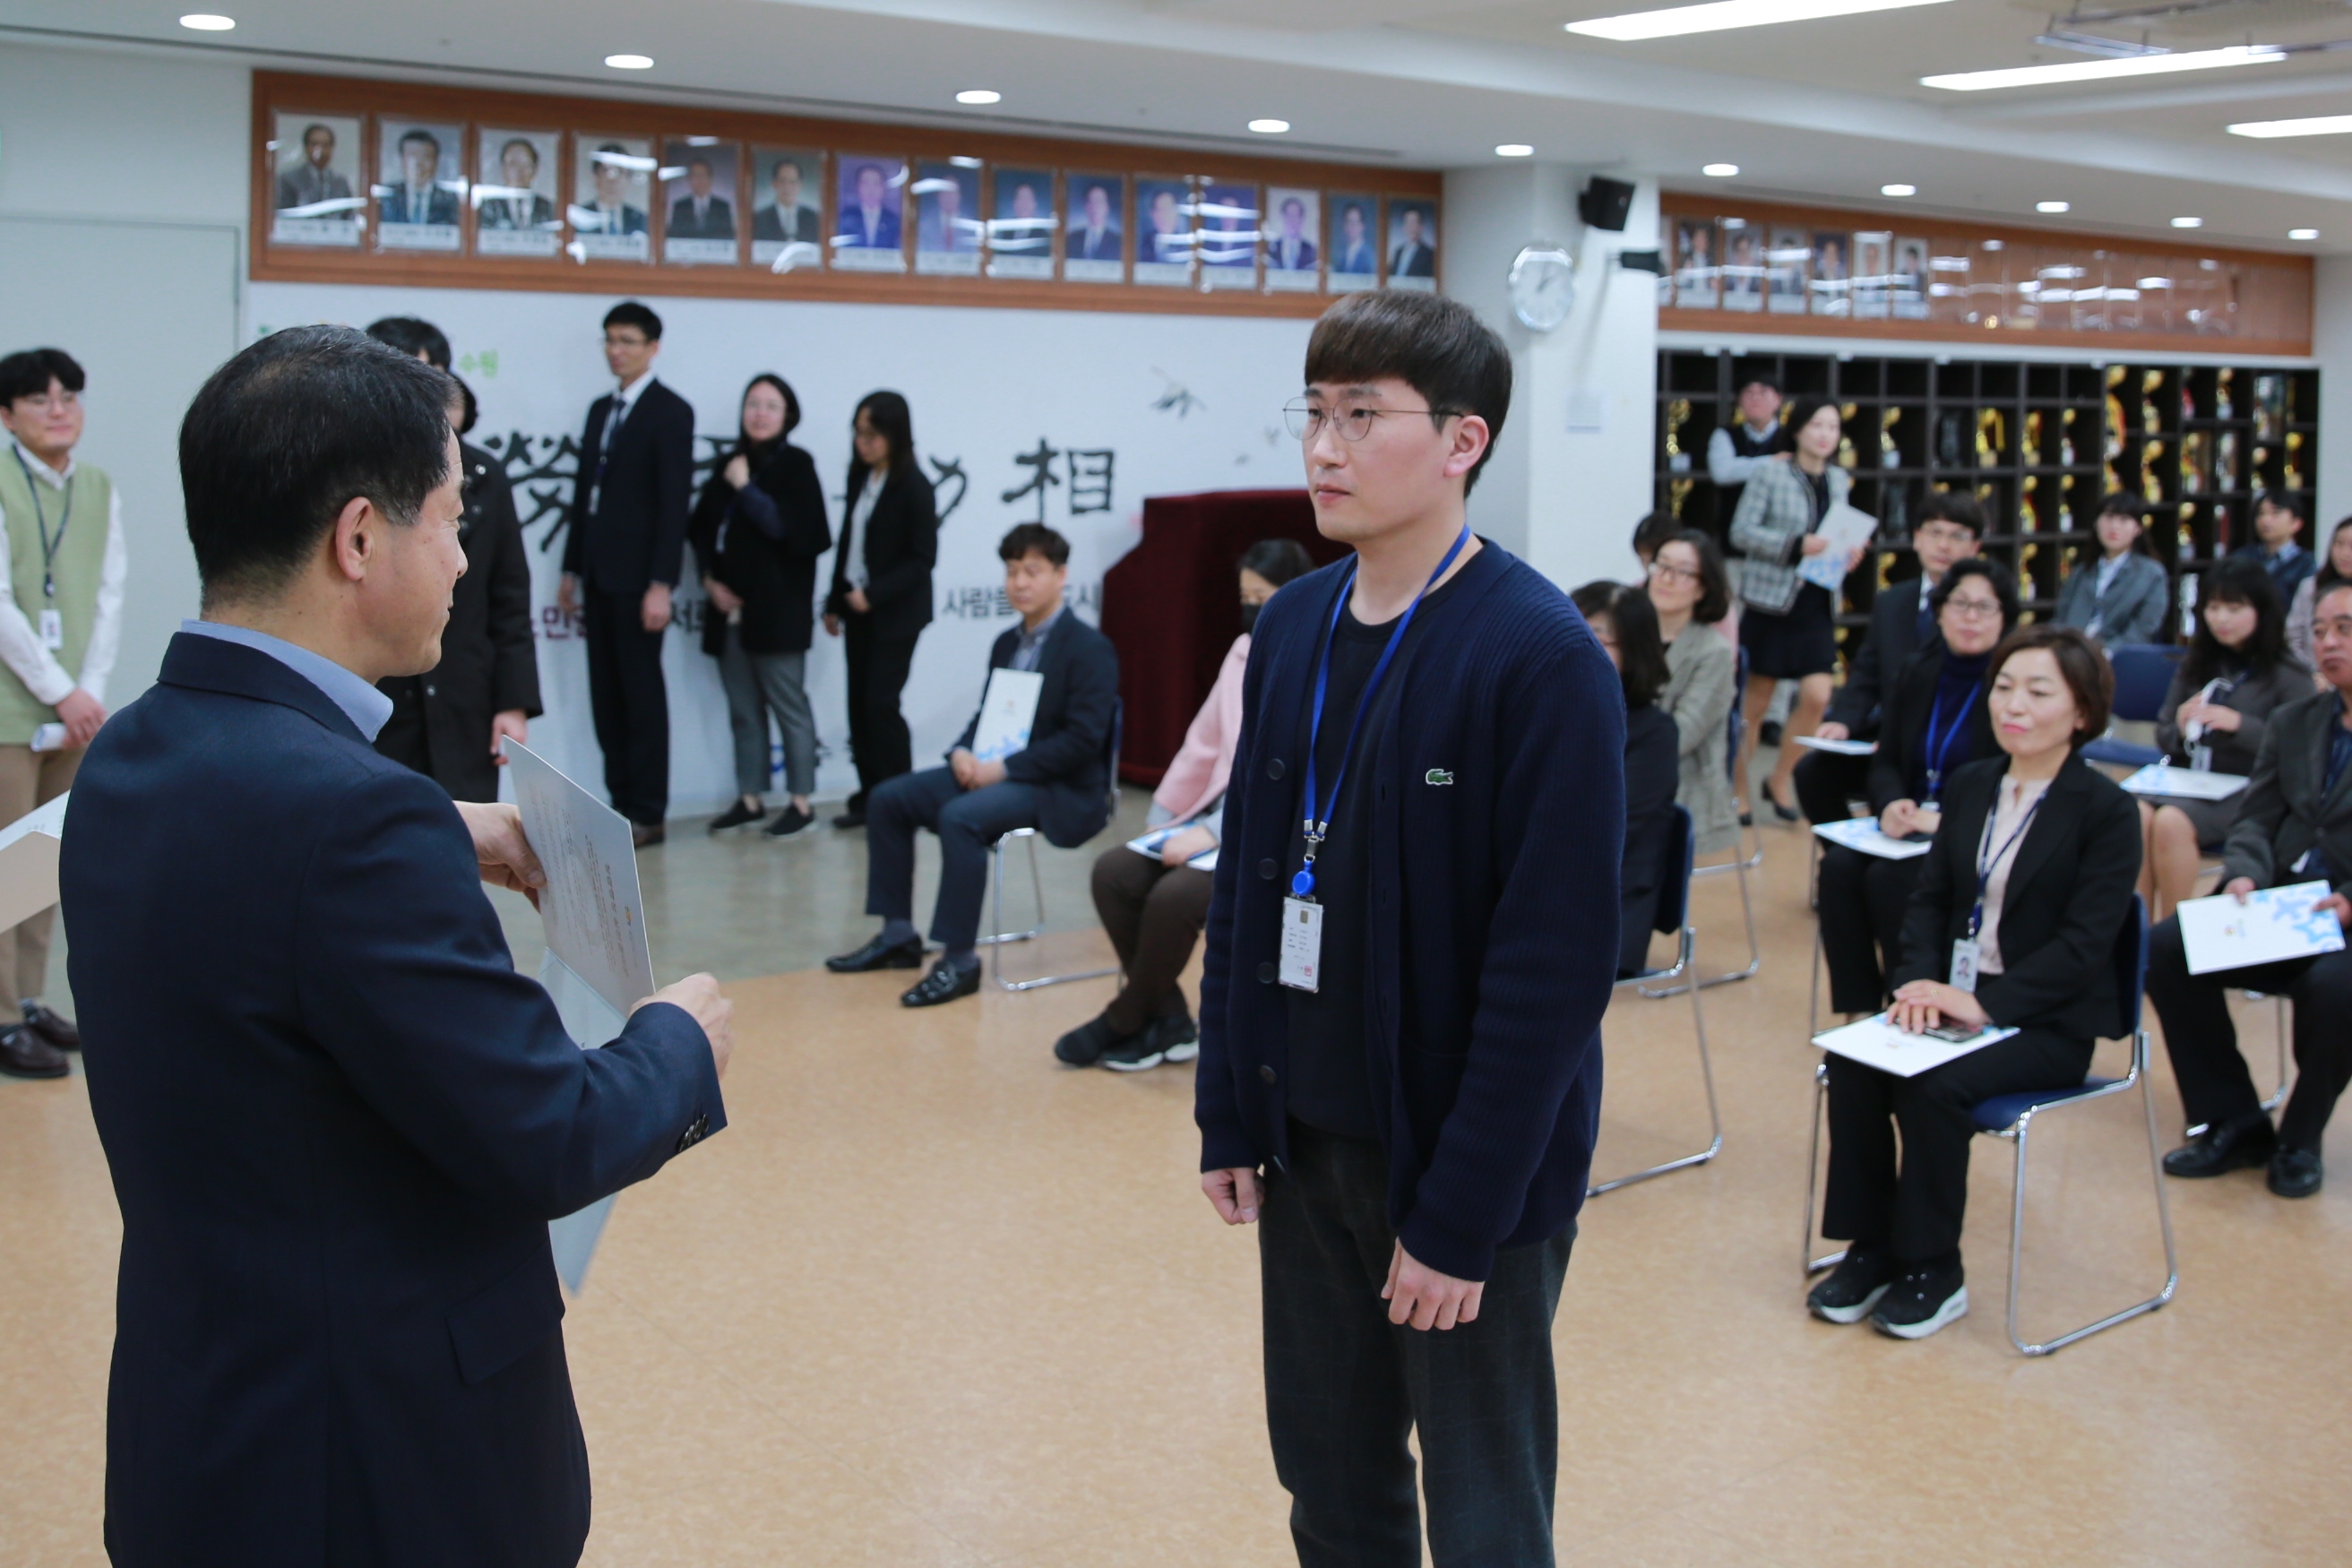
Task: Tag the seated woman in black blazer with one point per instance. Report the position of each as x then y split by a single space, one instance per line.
1934 722
1627 625
2035 864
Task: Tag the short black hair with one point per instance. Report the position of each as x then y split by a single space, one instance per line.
28 372
1290 202
1633 625
469 411
630 313
413 336
1742 380
1279 561
2123 503
1802 412
525 142
1952 506
1435 345
286 433
784 390
1714 577
1037 539
2287 501
2004 588
2089 678
701 161
1654 530
418 133
2238 580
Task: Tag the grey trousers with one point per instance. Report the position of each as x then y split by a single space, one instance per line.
757 684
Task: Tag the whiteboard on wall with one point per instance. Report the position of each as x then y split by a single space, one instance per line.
1108 408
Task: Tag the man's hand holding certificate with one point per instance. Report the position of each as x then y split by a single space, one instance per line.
2244 925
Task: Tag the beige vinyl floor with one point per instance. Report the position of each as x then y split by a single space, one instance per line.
933 1300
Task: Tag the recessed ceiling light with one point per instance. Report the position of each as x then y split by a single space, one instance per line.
205 22
1514 150
2302 234
979 95
2318 125
1269 127
1898 190
1726 14
2103 71
2053 206
630 62
2189 222
1720 170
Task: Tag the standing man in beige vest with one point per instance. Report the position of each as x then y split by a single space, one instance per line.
60 621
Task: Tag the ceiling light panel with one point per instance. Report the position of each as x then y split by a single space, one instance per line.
1724 15
979 95
1720 170
630 62
1269 127
2103 71
2318 125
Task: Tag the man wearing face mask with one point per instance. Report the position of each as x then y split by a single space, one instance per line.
1154 906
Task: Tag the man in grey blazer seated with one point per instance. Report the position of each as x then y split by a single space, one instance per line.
2296 826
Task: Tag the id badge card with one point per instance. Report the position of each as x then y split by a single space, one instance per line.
53 630
1302 944
1966 951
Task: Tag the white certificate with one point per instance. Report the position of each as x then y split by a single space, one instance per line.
1839 747
1847 529
28 861
2184 784
1152 842
1006 713
2274 923
1862 833
1877 1043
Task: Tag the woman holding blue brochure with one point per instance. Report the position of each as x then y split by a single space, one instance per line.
2013 928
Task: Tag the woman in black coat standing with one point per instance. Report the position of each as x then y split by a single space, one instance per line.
881 597
758 529
2014 923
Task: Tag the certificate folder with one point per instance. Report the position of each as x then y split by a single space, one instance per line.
1877 1043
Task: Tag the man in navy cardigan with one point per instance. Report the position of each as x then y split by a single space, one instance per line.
1416 1129
337 1119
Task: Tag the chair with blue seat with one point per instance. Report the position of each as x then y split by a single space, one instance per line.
1743 859
997 943
2012 1117
2143 675
1673 918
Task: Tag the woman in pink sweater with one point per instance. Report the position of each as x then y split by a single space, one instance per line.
1154 905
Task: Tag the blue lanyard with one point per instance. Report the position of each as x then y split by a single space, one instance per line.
41 521
1938 756
1984 867
1318 823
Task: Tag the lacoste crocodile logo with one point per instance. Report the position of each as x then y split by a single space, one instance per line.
1439 776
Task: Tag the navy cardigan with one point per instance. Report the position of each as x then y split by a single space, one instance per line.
1499 820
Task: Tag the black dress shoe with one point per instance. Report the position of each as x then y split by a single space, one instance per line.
59 1032
23 1054
850 819
2231 1146
879 954
646 835
945 983
1769 732
2295 1172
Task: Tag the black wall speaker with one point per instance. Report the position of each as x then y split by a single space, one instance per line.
1603 204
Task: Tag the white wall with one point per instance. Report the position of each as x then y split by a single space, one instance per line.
2331 344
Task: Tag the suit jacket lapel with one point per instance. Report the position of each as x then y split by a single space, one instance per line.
2061 808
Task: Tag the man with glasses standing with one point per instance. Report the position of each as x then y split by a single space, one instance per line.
1411 943
1950 526
60 622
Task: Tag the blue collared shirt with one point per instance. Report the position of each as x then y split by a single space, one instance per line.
367 707
1030 651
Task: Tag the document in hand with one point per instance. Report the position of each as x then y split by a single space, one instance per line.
1841 748
1847 530
2184 784
1151 843
1877 1043
599 963
1862 833
1007 713
28 862
2274 923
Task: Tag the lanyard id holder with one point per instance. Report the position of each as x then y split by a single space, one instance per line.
1966 952
1302 944
53 630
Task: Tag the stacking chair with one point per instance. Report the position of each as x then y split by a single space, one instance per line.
997 943
1673 919
1744 860
2143 674
2012 1117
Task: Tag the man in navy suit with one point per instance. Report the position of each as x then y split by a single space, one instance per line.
1292 251
700 214
866 224
621 554
1095 235
337 1119
418 198
1355 257
1059 782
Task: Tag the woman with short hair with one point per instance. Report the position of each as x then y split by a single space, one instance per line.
2122 596
1627 625
1691 596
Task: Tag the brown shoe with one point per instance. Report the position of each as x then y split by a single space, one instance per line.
59 1032
643 833
23 1054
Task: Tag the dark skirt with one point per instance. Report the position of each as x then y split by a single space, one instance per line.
2211 818
1789 648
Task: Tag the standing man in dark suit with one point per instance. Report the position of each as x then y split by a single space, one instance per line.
1901 623
449 721
700 214
622 555
338 1122
1059 782
881 597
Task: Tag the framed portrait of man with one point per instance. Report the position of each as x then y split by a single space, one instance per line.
1163 232
1912 265
1293 240
1873 261
1020 223
1743 263
787 199
1413 244
869 208
1355 257
514 194
1832 280
611 185
420 185
1094 246
313 167
948 228
1228 219
698 178
1697 275
1788 258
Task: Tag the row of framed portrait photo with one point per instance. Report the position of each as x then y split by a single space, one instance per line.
417 187
1737 264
